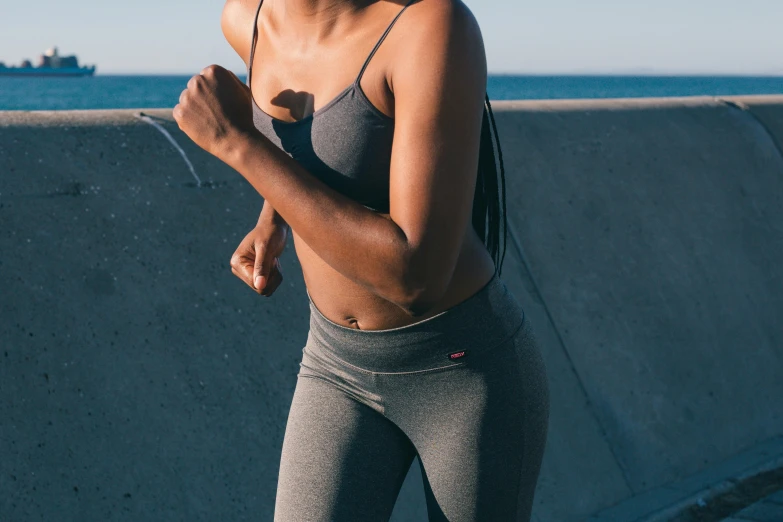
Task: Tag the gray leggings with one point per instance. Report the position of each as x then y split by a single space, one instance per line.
465 390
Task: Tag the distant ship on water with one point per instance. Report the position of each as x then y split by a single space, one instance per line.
49 64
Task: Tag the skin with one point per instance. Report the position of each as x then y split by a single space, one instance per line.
363 269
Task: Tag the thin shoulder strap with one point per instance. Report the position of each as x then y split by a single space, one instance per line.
253 43
383 37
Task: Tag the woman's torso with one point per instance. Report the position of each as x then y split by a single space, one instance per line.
300 103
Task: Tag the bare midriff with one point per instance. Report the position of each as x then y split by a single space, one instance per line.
349 304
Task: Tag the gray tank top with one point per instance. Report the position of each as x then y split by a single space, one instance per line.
347 143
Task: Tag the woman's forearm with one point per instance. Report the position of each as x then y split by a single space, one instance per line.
361 244
270 215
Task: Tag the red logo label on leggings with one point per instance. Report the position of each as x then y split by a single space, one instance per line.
456 355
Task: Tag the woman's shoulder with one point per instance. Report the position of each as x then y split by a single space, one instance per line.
442 14
236 21
441 27
440 37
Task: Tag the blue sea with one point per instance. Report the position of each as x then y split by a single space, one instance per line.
126 92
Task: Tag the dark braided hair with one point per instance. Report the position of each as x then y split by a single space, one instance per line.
487 200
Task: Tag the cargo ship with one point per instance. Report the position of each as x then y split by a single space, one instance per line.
49 64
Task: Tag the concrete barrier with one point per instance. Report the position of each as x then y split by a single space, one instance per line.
142 381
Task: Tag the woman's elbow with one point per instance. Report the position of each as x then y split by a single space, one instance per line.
419 299
417 307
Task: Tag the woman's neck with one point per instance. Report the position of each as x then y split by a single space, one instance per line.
307 22
317 12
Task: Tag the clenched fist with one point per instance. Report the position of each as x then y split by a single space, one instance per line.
215 110
256 260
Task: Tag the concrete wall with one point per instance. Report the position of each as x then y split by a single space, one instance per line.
140 380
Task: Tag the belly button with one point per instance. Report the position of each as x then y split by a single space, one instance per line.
354 323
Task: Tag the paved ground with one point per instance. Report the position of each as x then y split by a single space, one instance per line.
768 509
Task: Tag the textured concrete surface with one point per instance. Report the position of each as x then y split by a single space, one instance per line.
767 110
769 509
141 380
654 230
709 495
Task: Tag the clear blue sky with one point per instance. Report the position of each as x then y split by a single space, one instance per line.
547 36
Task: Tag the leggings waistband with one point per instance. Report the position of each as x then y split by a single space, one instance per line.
482 321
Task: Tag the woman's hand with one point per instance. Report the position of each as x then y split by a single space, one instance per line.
256 259
215 111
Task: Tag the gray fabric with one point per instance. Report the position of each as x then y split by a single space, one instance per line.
368 401
347 147
347 143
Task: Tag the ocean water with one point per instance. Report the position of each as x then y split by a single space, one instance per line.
126 92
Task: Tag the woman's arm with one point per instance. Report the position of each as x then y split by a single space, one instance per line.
270 215
239 36
408 257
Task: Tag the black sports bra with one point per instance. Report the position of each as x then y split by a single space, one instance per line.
347 143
